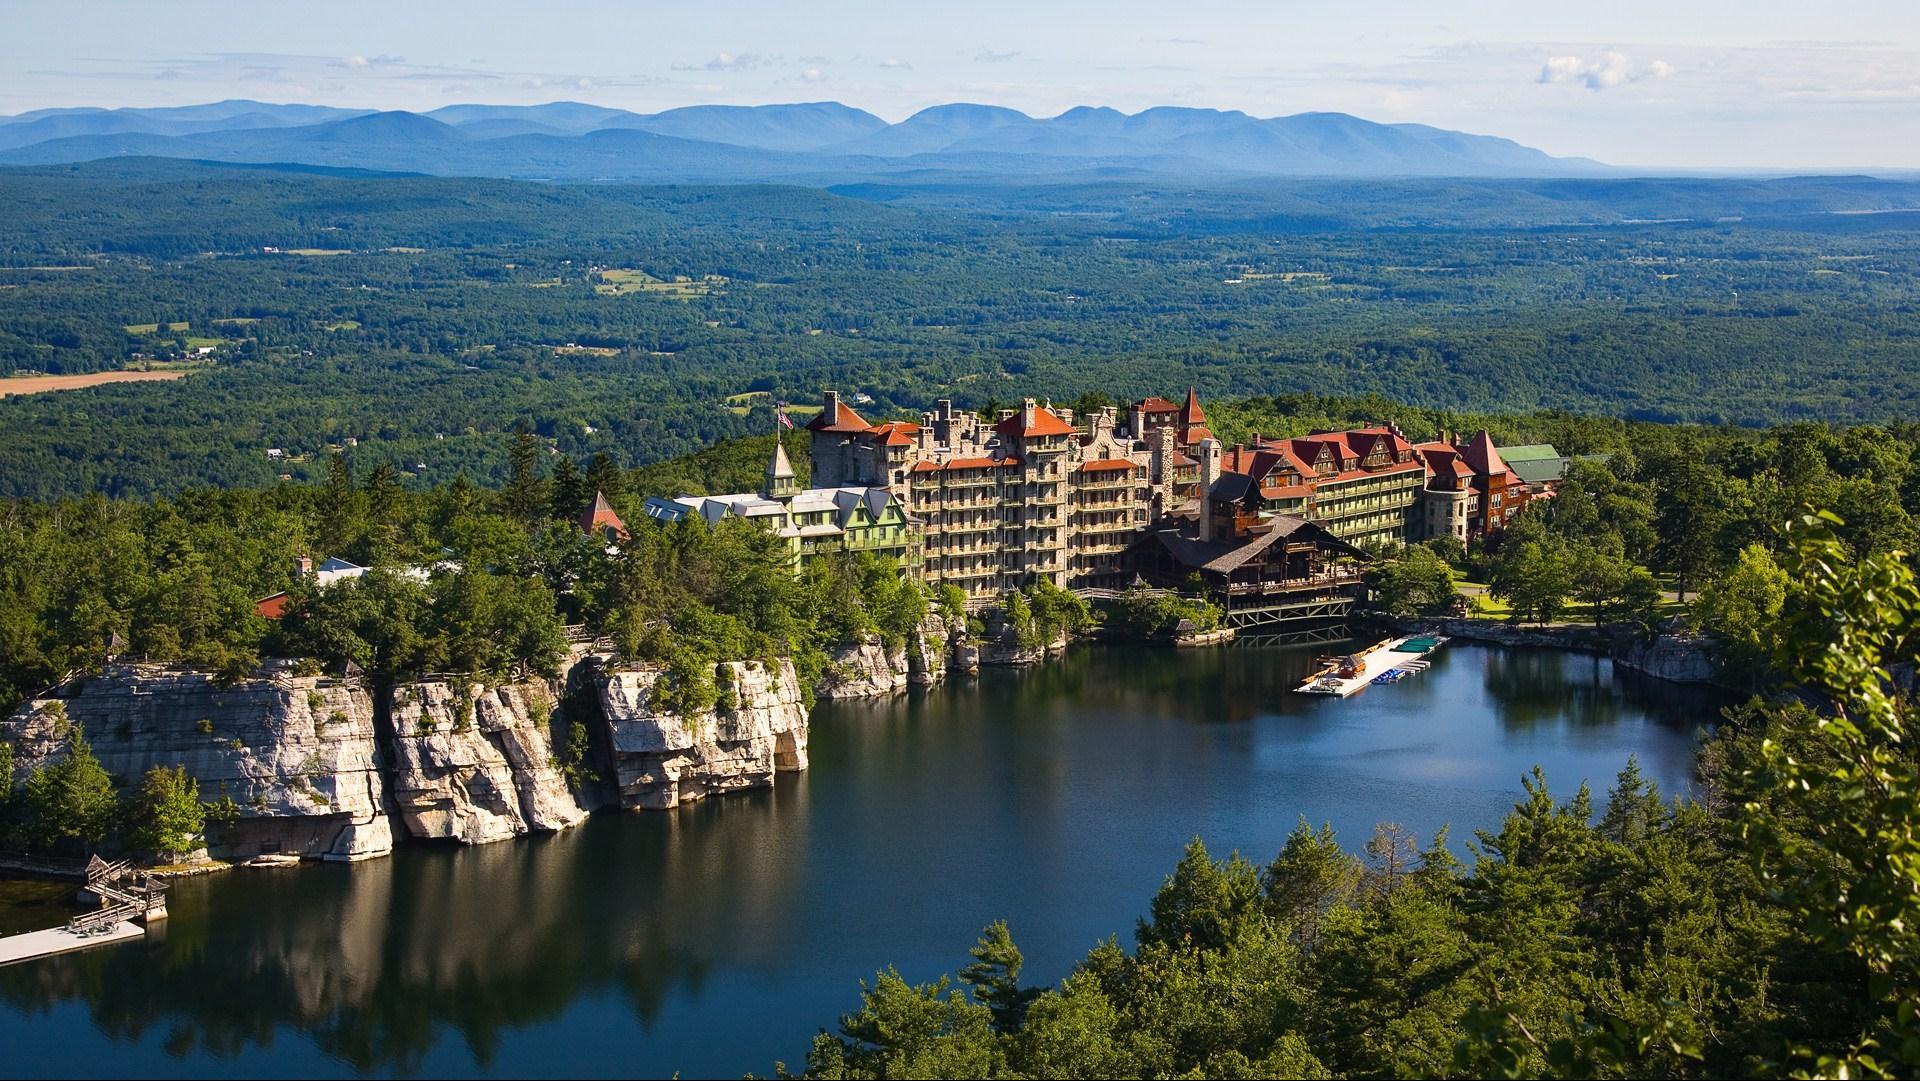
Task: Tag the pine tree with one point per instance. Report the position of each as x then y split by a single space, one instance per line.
525 496
994 977
71 803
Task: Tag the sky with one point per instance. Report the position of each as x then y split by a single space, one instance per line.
1759 84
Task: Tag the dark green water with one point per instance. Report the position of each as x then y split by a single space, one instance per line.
718 938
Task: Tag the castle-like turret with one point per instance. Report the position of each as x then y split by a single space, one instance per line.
779 481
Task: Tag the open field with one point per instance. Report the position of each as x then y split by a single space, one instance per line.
35 384
617 282
153 328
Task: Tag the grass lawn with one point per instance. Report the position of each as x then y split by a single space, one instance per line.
153 328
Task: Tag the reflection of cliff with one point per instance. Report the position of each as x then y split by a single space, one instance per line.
380 962
1538 686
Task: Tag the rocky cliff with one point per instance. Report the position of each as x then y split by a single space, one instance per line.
295 754
660 758
1678 658
868 667
478 764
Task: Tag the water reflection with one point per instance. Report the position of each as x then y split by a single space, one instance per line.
373 961
716 938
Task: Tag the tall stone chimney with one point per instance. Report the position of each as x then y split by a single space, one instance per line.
831 409
1027 412
1209 472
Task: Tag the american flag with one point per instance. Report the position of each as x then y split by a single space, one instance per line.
780 412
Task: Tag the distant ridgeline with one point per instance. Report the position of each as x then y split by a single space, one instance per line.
425 317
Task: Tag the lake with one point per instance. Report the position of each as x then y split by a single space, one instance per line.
716 939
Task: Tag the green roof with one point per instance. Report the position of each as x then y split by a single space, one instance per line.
1532 452
1537 470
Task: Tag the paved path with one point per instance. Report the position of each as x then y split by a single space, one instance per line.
33 944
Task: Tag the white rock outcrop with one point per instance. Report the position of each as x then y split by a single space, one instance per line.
295 754
661 759
478 764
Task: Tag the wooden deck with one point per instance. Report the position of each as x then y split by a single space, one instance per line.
35 944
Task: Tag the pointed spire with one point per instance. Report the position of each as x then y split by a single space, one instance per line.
1191 412
779 481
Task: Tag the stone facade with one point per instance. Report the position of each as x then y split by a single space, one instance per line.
1025 497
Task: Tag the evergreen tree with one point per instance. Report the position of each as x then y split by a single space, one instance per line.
525 496
994 977
71 803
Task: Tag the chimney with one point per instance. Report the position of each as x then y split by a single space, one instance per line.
1136 420
1209 472
831 408
1027 409
303 567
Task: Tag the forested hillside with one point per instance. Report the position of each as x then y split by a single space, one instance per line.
425 318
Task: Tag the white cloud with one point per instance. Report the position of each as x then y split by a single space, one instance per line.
813 75
988 56
734 62
896 62
1609 69
353 62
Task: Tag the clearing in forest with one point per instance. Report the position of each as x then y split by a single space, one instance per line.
619 282
36 384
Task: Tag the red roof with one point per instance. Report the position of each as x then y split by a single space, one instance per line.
1045 422
1157 405
894 433
844 419
601 517
1105 464
964 463
1482 455
1190 413
272 607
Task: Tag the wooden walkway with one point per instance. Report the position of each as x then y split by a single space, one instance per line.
34 944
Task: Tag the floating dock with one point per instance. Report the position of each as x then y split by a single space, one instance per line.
35 944
1346 675
124 896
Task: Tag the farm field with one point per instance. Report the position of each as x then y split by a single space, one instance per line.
36 384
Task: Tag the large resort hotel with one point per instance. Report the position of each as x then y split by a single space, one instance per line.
1119 495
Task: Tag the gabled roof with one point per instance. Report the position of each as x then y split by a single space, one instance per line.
1529 452
1226 556
1157 404
894 433
601 516
1100 465
844 419
1045 422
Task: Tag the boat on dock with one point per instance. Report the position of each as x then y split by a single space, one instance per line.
1381 663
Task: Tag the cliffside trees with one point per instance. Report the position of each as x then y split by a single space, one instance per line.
69 806
1740 608
166 817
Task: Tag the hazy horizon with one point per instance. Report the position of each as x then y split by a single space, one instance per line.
1639 84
